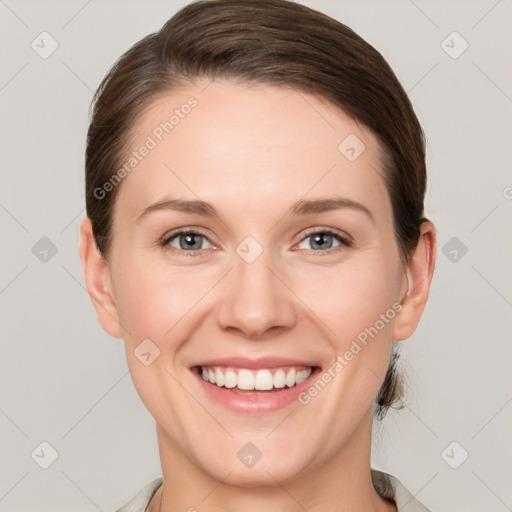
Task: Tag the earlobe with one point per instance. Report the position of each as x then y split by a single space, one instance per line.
98 281
419 272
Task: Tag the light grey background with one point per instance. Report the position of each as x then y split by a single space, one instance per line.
65 381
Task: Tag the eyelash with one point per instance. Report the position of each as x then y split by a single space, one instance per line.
344 241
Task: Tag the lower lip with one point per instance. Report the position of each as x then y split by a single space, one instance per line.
255 402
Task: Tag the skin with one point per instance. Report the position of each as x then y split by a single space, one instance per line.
252 152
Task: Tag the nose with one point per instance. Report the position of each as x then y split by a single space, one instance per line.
256 299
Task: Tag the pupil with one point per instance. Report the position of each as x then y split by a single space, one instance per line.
319 240
190 242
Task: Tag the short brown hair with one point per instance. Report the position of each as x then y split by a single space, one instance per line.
275 42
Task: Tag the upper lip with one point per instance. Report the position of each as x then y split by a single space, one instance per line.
254 363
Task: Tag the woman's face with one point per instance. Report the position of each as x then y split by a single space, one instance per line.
270 284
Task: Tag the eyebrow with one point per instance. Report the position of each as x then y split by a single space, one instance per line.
301 207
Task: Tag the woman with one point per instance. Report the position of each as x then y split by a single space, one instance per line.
255 177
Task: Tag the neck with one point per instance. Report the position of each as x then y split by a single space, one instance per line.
341 483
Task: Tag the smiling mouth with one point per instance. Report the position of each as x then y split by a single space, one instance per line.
252 381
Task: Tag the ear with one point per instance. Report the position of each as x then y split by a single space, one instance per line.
98 281
419 272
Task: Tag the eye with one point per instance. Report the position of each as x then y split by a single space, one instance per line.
191 241
186 240
322 240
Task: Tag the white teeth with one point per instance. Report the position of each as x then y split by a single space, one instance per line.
263 380
290 378
301 376
230 379
219 378
279 379
260 380
245 380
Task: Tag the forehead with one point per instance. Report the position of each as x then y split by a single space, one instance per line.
262 144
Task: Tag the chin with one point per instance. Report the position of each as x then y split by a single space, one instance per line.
259 477
278 470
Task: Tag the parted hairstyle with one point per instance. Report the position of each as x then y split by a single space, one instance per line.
269 42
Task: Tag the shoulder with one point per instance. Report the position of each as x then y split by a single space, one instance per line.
140 501
390 488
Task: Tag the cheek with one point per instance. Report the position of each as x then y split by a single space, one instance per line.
152 297
351 297
360 308
154 303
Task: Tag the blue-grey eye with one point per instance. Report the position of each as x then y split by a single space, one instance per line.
323 240
187 240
